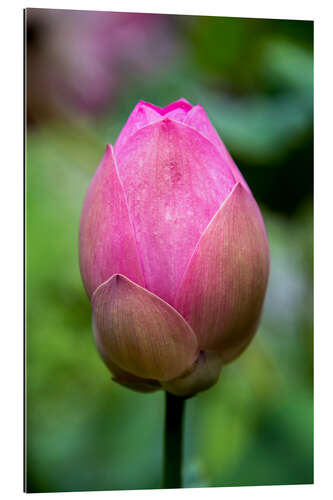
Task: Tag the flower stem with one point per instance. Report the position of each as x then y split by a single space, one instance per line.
173 441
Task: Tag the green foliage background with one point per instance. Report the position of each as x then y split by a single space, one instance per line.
255 427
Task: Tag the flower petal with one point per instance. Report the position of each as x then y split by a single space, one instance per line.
106 242
181 103
223 289
204 373
141 333
121 376
174 182
177 110
145 113
198 119
141 115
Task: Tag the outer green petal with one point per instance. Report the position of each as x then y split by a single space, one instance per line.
141 333
121 376
203 374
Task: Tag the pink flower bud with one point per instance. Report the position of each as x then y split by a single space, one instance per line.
173 252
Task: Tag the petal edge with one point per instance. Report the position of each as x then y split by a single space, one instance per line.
223 288
107 242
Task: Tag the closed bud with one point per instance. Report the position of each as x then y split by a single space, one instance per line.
173 252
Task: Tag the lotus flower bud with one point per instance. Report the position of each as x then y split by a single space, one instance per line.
173 252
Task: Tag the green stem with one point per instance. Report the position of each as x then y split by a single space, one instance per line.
173 441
